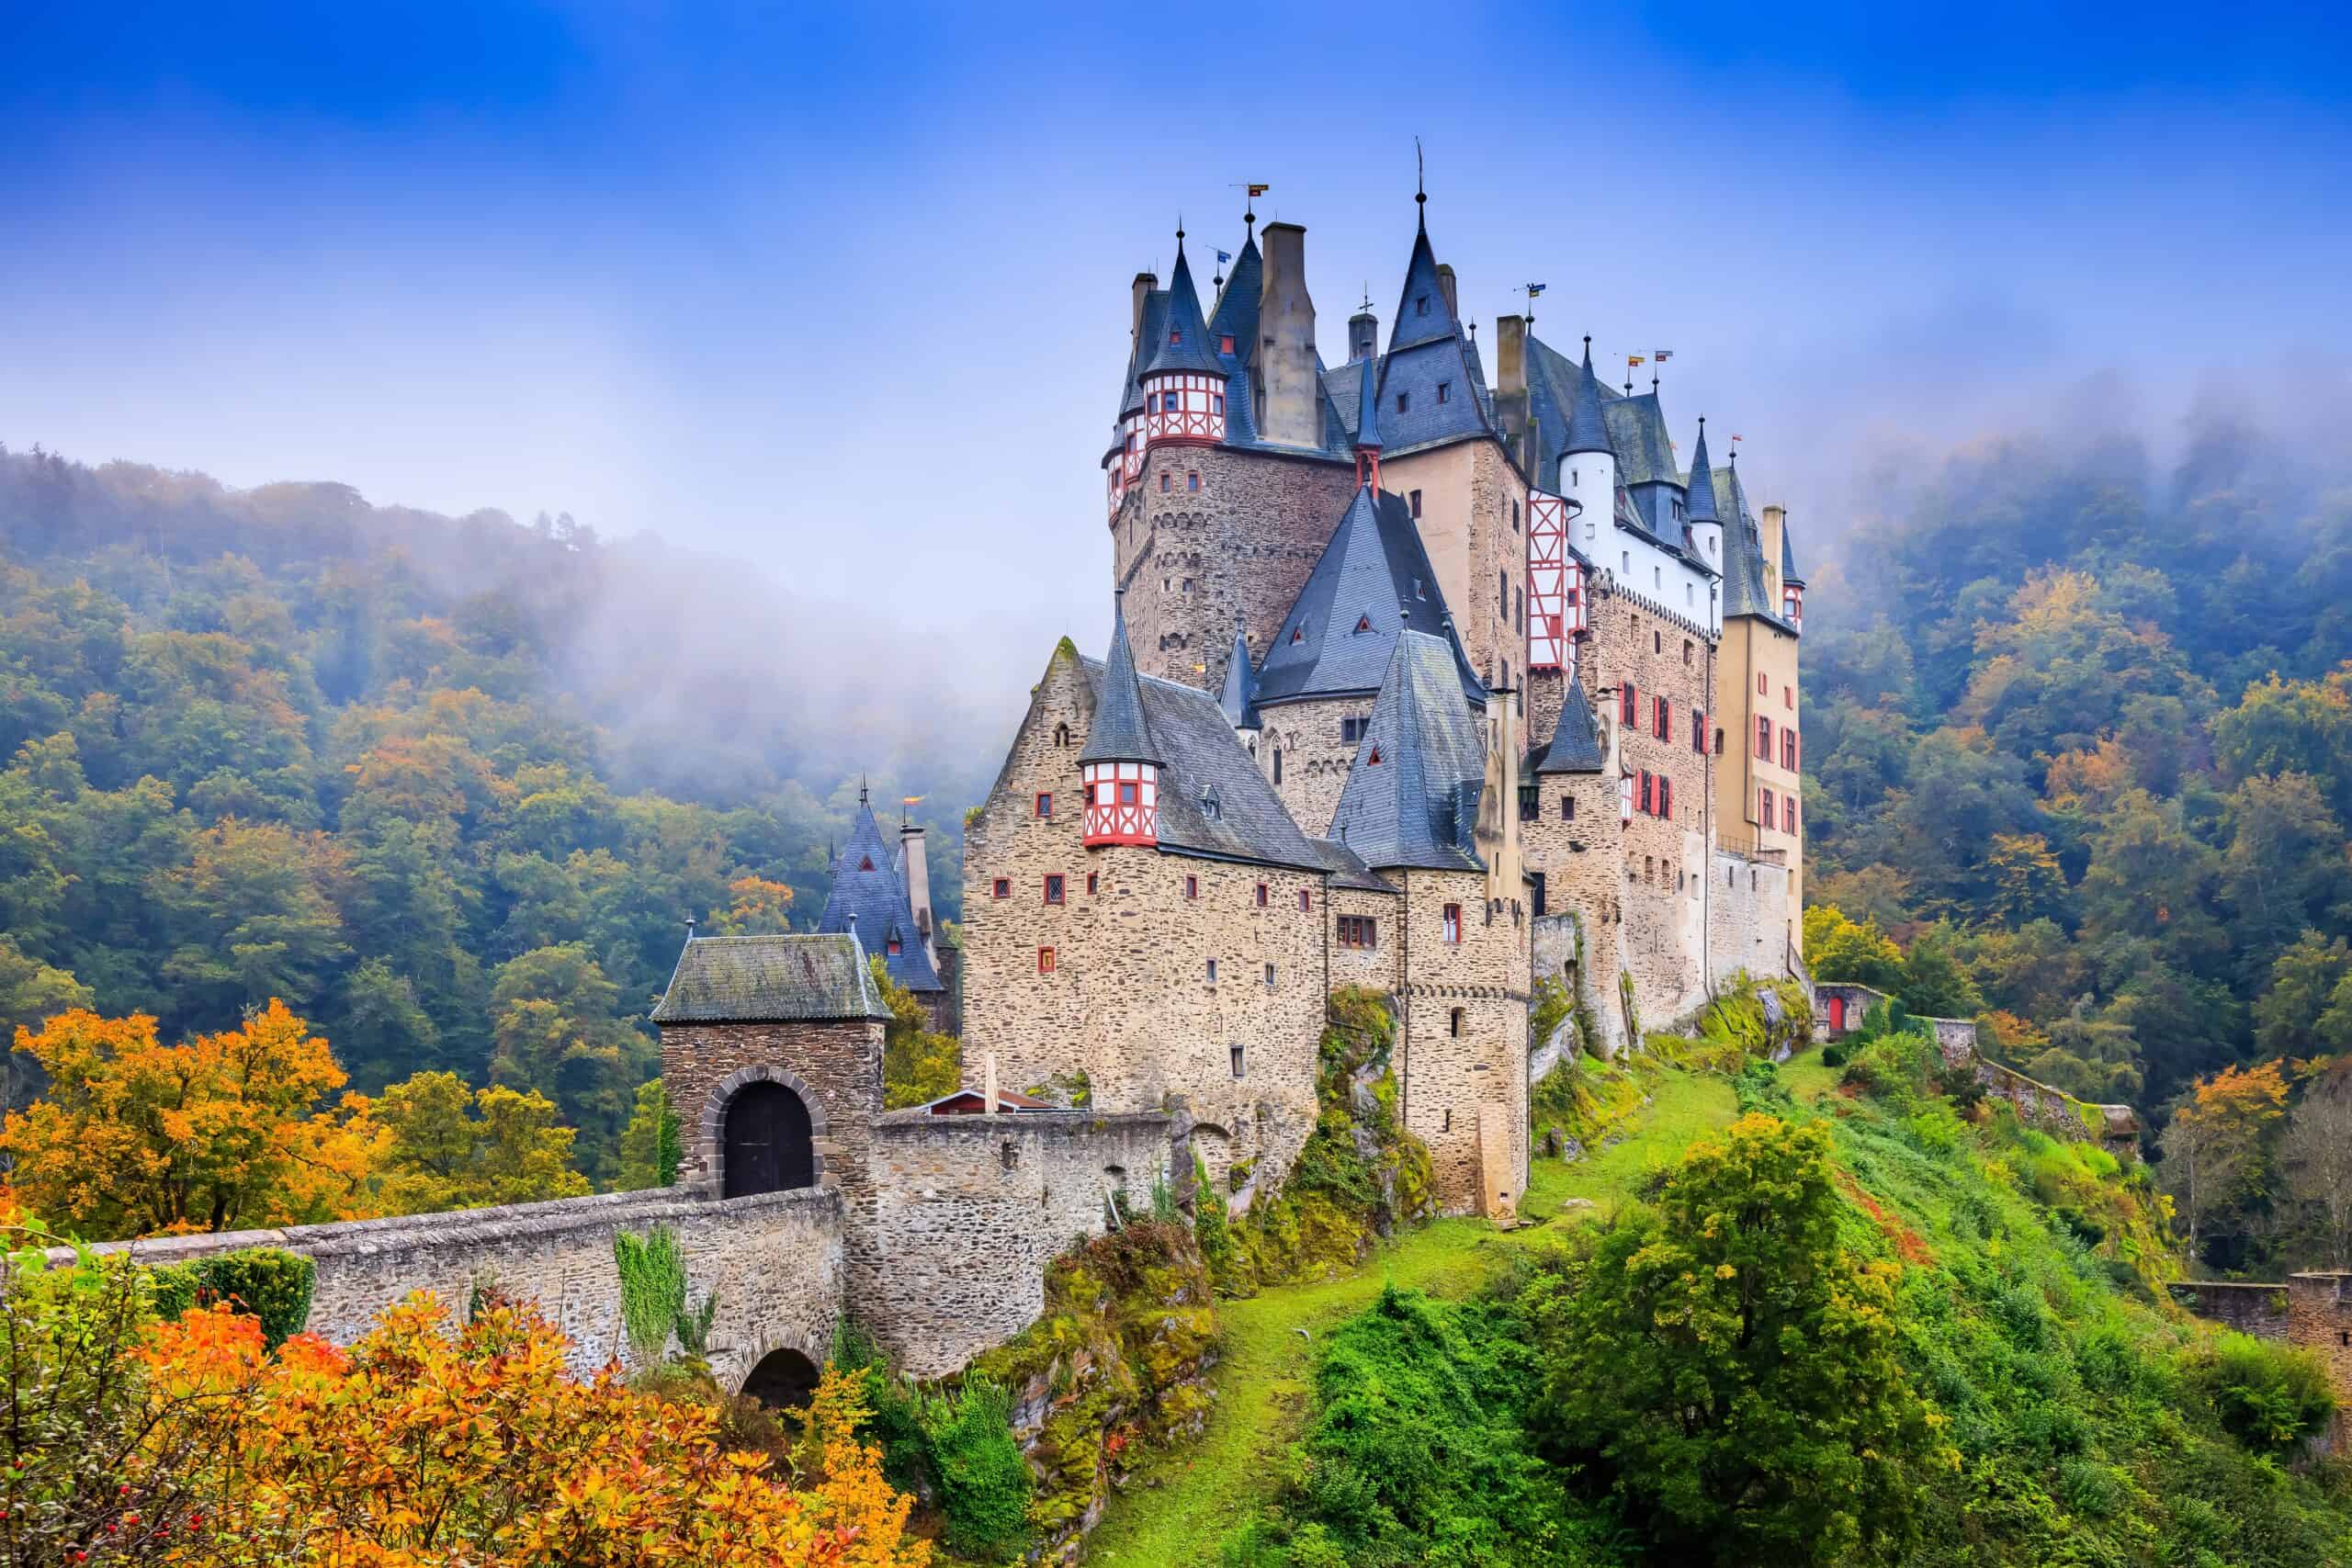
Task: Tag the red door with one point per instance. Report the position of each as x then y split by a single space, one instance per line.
1836 1015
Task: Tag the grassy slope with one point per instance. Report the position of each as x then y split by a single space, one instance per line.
1183 1501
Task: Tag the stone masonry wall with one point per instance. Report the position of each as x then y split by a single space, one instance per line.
835 1068
1472 523
1377 968
2319 1319
775 1260
1315 759
1747 902
1243 542
963 1212
1447 1078
1129 1001
1583 877
2257 1310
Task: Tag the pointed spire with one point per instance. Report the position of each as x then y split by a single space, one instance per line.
1119 734
1699 506
1239 698
1587 427
1368 409
1183 341
1421 185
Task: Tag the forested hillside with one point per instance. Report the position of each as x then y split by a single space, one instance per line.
450 787
2079 740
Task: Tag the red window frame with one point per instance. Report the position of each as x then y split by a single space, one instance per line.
1192 887
1129 792
1764 805
893 947
1262 895
1001 887
1045 803
1359 932
1094 881
1452 918
1626 703
1305 902
1763 738
1056 888
1044 961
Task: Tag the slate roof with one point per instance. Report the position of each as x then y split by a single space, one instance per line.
868 887
1119 733
1365 431
1191 351
771 979
1376 572
1422 314
1347 869
1147 331
1744 592
1238 700
1637 435
1418 805
1200 758
1587 426
1235 310
1789 572
1700 506
1576 741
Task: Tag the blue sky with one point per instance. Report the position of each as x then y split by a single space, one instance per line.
845 291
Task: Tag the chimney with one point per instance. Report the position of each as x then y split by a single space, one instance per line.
987 1083
917 875
1510 392
1290 405
1445 286
1364 334
1144 284
1767 535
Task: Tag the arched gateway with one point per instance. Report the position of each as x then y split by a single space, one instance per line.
766 1145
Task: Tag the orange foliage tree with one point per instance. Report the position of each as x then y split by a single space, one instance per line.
135 1137
2217 1145
418 1448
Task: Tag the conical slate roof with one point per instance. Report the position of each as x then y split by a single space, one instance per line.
867 889
1182 341
1422 313
1700 506
1119 733
1372 581
1587 427
1239 698
1411 798
1147 331
1576 743
1789 572
1235 314
1367 430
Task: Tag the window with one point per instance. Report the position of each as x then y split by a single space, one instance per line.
1413 500
1699 732
865 864
1212 971
1420 304
1530 805
1351 731
1535 890
1093 883
1053 889
1568 808
1061 735
893 947
1278 764
1188 585
1764 807
1445 391
1001 887
1192 890
1454 922
1666 797
1216 402
1225 345
1044 961
1235 1052
1262 895
1763 687
1626 702
1454 1024
1645 798
1045 805
1624 558
1686 650
1404 401
1657 641
1305 902
1788 696
1764 739
1175 337
1270 976
1662 718
1373 759
1417 594
1164 484
1514 517
1298 632
1502 594
1128 791
1789 815
1363 625
1191 481
1788 750
1358 930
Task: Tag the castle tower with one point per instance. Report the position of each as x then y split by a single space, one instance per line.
869 899
1758 777
1119 766
1698 513
1182 383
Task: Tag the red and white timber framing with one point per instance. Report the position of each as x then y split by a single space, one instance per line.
1793 605
1122 802
1556 603
1183 408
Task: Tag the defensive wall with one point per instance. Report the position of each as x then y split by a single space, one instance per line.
775 1260
2312 1312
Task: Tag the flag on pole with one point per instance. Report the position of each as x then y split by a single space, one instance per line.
1736 438
1634 359
1259 190
1533 289
1223 258
1662 355
910 800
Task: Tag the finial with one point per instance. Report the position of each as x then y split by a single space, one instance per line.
1653 380
1420 191
861 789
1179 234
1588 346
1629 383
690 927
1703 424
1473 330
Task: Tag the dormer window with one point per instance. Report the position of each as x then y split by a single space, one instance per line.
1404 401
1445 391
1416 590
1225 343
1363 625
1373 759
1298 632
1420 304
866 863
894 946
1175 337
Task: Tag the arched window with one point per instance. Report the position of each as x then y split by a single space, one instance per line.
766 1142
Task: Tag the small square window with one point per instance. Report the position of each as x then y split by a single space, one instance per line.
895 947
1192 890
1045 805
1454 922
1225 343
1166 484
1404 401
1127 789
1212 971
1003 887
1191 481
1044 961
1093 882
1445 391
1053 889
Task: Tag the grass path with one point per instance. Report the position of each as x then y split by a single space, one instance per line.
1183 1501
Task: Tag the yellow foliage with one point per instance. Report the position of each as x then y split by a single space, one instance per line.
418 1449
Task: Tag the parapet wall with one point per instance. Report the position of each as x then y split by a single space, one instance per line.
957 1217
775 1261
2312 1312
2257 1310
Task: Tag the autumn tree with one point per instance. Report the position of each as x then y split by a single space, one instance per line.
2317 1153
557 1032
1727 1370
229 1129
451 1146
1837 949
2216 1146
754 905
918 1064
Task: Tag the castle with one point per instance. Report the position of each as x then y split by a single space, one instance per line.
1416 681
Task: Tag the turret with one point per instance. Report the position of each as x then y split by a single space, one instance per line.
1776 542
1368 428
1698 512
1363 332
1587 474
1239 696
1124 460
1182 382
1119 764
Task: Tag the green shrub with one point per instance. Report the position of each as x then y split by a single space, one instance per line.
2269 1397
653 1288
267 1282
1834 1054
983 1479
